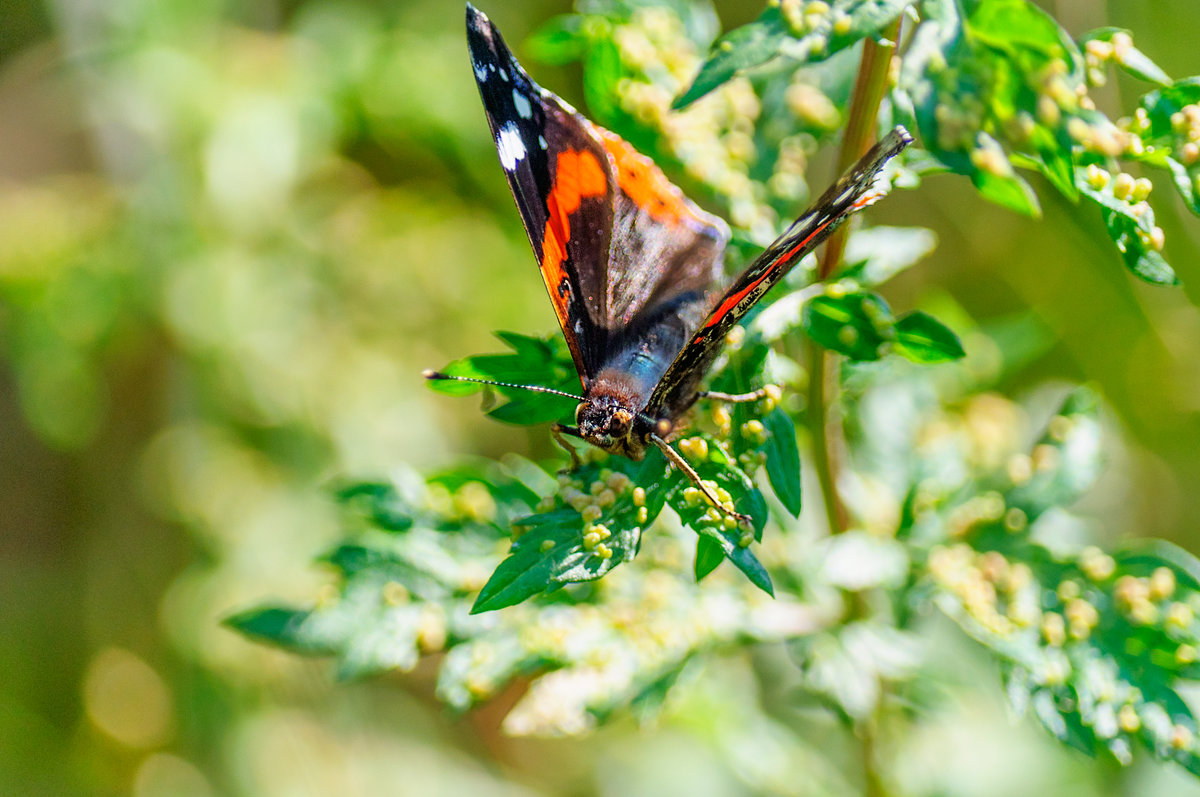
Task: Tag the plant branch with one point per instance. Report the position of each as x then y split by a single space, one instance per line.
873 785
824 427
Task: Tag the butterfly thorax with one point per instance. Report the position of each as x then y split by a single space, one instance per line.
615 415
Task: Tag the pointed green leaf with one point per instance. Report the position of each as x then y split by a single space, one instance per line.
740 49
698 514
1009 191
1131 227
1131 59
783 460
556 551
560 41
709 554
855 324
278 626
804 38
1165 143
923 339
741 556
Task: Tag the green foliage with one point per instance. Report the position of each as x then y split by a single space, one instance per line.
1167 122
533 361
596 519
862 327
582 536
946 509
793 31
922 338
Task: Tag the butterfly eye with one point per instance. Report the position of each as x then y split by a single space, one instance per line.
579 411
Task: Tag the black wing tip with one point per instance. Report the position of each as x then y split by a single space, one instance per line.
487 46
481 33
895 141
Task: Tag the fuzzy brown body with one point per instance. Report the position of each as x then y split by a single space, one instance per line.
620 410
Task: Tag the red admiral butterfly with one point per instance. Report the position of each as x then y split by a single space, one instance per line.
631 265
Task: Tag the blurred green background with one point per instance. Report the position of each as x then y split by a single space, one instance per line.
232 235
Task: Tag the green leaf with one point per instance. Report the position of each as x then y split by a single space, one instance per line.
560 41
1011 25
547 557
740 49
783 459
816 37
1096 646
1165 142
383 502
697 513
709 554
1186 179
1133 60
923 339
1131 228
278 626
741 556
879 253
557 549
542 362
1009 191
804 39
856 324
602 64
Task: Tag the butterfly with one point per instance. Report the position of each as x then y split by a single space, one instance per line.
633 267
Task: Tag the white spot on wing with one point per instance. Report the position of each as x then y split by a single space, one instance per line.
524 109
510 147
542 142
503 75
480 72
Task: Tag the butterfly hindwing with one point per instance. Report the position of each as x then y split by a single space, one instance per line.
857 189
563 182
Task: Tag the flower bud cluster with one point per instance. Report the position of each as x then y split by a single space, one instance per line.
1134 192
593 500
715 139
999 595
1097 53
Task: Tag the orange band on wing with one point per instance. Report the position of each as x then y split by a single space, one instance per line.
644 183
577 175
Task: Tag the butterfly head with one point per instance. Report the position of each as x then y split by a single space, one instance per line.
605 423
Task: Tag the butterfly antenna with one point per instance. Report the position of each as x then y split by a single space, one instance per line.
437 375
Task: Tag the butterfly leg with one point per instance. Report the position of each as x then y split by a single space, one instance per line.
559 432
769 391
676 459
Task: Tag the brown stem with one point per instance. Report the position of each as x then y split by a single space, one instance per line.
824 427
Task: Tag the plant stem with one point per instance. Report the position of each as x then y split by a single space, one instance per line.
824 426
873 785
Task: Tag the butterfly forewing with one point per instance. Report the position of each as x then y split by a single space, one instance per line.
620 248
562 179
857 189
